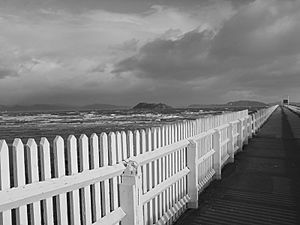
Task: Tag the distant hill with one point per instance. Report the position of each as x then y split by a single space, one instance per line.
53 107
203 105
35 107
151 106
241 103
247 103
103 106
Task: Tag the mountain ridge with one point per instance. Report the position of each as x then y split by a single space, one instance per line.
151 106
238 103
59 107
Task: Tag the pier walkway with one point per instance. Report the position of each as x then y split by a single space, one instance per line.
262 186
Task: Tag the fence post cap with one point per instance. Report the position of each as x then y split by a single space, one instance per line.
191 141
132 168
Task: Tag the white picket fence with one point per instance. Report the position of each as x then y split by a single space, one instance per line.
294 108
130 178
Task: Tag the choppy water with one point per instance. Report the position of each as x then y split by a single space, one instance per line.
49 124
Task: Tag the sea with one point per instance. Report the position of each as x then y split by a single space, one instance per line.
49 124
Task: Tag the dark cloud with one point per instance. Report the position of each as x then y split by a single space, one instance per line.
5 72
121 6
252 51
168 59
257 50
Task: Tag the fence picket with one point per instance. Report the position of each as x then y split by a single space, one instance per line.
112 161
149 168
19 177
163 169
124 145
119 147
72 152
86 191
155 174
5 217
96 191
59 170
143 146
45 162
159 173
104 161
130 144
168 167
137 143
33 176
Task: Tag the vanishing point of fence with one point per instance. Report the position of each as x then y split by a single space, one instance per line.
131 178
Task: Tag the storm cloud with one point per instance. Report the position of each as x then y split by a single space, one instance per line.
178 52
257 50
4 72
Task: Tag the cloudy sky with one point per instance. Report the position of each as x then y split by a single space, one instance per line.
127 51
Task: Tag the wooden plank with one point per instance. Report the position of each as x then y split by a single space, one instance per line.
33 177
150 174
45 161
163 168
119 155
167 167
171 170
174 210
124 145
130 150
112 150
137 143
119 147
184 151
159 173
5 217
59 170
155 175
19 177
73 169
86 191
176 170
160 152
104 161
143 145
96 190
174 160
180 183
112 218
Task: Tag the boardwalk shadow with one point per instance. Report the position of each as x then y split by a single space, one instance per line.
292 150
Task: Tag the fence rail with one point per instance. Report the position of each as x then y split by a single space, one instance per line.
293 108
131 178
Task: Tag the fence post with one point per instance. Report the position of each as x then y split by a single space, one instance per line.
240 132
231 143
253 124
192 164
217 156
250 127
246 130
130 194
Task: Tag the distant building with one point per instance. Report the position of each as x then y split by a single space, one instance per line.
286 101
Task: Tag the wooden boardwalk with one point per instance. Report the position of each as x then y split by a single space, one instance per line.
262 186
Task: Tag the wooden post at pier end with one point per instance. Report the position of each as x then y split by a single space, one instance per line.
130 194
192 164
217 165
231 143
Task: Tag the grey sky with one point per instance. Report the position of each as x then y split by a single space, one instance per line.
126 51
